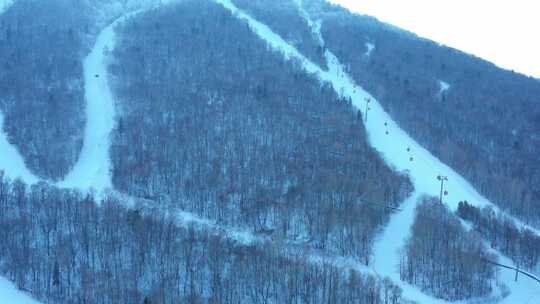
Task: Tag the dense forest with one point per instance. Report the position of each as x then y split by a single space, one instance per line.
240 178
42 48
42 83
485 125
284 18
64 248
442 258
245 138
520 244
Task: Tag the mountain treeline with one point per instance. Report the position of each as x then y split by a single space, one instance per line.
485 125
284 18
443 259
63 247
520 244
41 83
214 122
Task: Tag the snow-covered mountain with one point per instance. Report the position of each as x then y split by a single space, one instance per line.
261 151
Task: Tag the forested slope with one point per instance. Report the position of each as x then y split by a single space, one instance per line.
244 170
485 124
42 82
245 137
64 248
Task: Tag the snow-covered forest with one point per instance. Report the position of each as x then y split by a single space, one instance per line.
234 151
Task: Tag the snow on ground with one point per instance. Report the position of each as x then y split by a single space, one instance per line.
397 148
525 290
11 161
9 294
314 26
444 86
13 166
370 47
4 5
240 235
93 168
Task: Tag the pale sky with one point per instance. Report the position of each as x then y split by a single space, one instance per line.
505 32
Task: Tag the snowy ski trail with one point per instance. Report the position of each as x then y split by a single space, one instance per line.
11 161
9 294
394 236
93 168
4 5
396 147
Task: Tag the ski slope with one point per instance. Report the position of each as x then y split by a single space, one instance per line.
11 161
93 168
9 294
4 5
399 151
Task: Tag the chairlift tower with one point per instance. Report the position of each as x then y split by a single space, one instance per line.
442 179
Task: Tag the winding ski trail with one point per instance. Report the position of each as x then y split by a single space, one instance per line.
93 168
397 148
400 151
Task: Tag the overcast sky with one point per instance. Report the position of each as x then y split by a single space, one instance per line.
502 31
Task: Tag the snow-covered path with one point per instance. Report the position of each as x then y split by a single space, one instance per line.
93 168
11 161
10 295
396 147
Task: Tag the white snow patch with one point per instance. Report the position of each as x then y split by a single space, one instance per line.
314 26
4 5
93 168
11 161
9 294
443 86
370 47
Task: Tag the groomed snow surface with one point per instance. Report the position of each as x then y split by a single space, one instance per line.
10 295
11 161
4 4
402 153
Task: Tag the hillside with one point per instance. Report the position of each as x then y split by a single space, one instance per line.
258 151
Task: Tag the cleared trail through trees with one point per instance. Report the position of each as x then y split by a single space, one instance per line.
93 168
245 237
395 146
